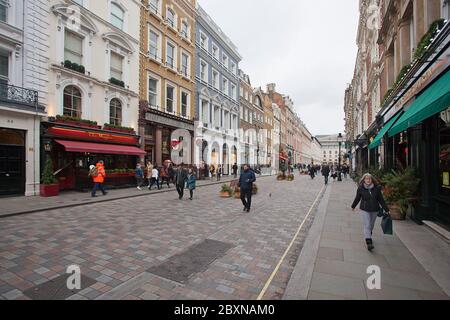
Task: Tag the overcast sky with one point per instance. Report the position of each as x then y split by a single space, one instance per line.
308 48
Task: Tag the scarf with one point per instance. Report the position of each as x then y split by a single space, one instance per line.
369 187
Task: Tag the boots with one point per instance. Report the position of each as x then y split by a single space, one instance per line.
369 243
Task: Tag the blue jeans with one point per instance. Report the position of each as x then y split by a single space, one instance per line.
98 185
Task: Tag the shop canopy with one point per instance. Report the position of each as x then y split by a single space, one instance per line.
433 101
100 148
377 141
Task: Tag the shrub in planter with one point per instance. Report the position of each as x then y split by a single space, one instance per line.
290 177
117 82
281 176
226 191
49 186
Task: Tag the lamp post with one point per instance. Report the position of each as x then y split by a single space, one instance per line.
339 164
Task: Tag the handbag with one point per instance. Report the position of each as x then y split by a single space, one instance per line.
386 225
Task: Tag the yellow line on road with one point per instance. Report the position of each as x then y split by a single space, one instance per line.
275 271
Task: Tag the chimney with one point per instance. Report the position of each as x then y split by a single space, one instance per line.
271 87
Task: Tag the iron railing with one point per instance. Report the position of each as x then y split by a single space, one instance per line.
18 95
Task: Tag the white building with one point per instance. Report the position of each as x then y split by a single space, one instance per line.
103 37
330 149
24 48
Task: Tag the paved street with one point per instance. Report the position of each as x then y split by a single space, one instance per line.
130 247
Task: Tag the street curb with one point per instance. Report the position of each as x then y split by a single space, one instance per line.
72 205
300 281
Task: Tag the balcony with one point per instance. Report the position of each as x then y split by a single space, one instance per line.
19 96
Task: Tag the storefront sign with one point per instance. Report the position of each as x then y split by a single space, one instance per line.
91 136
168 122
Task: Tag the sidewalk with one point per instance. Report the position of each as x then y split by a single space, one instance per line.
23 205
334 260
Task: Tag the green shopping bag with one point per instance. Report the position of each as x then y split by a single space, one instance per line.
386 225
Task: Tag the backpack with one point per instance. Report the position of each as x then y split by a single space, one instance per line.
93 173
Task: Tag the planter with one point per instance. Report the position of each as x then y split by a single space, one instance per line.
119 130
78 124
49 190
120 175
237 193
225 195
396 213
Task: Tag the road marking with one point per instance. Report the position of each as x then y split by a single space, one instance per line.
275 271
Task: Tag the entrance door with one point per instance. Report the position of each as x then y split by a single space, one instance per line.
12 171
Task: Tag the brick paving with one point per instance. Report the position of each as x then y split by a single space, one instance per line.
116 242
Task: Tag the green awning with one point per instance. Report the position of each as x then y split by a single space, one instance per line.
434 100
377 141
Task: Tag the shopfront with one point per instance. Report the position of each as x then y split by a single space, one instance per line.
12 162
73 149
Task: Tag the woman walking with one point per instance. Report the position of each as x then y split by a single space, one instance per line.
190 182
139 173
149 171
371 198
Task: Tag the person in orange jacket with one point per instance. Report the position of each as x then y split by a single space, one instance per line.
98 175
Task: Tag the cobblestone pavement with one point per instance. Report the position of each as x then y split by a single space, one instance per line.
116 242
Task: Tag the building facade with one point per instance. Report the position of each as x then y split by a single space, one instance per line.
217 91
92 90
331 146
24 47
409 125
167 79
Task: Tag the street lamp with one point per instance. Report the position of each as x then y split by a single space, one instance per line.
340 138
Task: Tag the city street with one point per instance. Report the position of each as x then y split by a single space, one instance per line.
130 248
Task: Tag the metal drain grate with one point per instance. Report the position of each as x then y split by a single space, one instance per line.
56 289
195 259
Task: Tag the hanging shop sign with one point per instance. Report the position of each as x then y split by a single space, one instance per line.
75 134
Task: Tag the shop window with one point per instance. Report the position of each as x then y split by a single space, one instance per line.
444 154
72 102
115 112
148 130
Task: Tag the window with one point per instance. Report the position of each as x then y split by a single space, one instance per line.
225 61
4 67
215 79
154 6
233 67
170 16
241 89
154 40
205 107
185 64
204 71
80 2
215 51
444 159
204 41
152 92
73 47
233 91
169 99
116 66
4 10
170 55
117 16
115 112
184 104
246 115
225 85
185 30
72 102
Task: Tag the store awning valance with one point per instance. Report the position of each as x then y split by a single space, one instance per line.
434 100
100 148
377 141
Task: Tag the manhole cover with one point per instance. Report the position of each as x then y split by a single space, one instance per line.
56 289
195 259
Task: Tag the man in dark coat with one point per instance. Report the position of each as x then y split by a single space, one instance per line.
246 180
326 172
180 181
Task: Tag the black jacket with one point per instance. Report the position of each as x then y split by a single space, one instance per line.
246 180
371 200
181 177
326 171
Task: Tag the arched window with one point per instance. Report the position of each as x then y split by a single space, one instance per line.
115 112
117 16
72 102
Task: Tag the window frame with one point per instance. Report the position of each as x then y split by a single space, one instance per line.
72 96
113 15
120 107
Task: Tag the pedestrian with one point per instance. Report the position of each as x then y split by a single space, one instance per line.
165 176
311 172
326 173
219 172
190 183
139 174
180 181
149 171
235 169
98 175
212 169
154 178
371 198
172 173
246 180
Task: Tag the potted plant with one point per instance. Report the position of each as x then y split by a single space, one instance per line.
49 186
281 176
226 191
290 177
401 190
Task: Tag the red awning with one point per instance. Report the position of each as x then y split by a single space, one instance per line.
102 148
